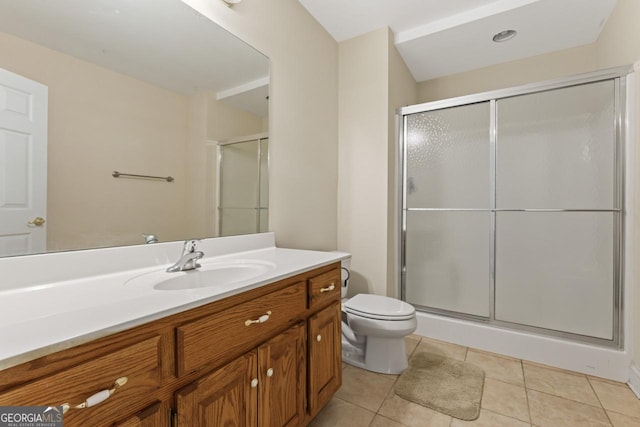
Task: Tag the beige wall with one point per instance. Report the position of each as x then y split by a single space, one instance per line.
225 122
199 211
303 122
363 159
635 304
374 81
101 121
515 73
618 44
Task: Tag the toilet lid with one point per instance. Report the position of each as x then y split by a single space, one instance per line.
379 307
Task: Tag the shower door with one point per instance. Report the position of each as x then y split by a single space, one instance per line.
243 187
557 209
448 210
512 207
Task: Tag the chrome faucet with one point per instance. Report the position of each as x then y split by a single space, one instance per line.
189 259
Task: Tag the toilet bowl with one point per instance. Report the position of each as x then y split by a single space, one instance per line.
373 328
373 331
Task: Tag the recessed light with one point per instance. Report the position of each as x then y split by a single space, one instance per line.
505 35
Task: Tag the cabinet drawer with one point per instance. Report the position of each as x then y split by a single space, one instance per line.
139 362
226 334
324 287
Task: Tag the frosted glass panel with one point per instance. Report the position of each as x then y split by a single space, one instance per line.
264 220
244 187
555 270
238 221
448 158
447 261
556 149
239 175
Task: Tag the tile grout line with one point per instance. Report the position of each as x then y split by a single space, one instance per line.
391 390
564 371
355 404
599 401
526 392
484 382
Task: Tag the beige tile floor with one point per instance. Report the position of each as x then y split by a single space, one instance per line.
516 393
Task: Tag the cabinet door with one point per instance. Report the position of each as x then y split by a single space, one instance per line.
153 416
325 356
225 397
282 379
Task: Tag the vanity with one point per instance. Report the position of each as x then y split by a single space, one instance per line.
257 342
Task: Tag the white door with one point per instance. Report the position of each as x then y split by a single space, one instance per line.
23 165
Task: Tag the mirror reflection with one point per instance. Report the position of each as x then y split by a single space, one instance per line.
149 88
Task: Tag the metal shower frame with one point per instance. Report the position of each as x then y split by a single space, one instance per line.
618 76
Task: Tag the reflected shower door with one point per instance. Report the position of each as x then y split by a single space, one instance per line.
243 187
447 209
557 210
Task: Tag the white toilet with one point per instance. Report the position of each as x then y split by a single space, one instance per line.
373 329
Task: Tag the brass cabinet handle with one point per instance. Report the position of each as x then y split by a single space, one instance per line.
319 338
260 319
37 221
328 288
254 383
270 372
97 398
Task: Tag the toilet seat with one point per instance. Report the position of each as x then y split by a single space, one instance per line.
379 307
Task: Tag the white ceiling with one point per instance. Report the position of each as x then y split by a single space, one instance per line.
442 37
163 42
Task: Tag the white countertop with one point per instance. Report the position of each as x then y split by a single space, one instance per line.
45 318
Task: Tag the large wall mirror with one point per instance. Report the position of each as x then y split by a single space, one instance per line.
144 87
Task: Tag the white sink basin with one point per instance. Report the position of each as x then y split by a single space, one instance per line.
208 275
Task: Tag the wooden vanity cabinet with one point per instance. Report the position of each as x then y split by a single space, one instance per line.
225 397
282 379
265 388
268 357
153 416
139 363
325 359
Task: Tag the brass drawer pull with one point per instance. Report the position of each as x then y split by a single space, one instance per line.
97 398
260 319
328 288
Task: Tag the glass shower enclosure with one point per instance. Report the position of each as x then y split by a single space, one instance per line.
243 185
512 205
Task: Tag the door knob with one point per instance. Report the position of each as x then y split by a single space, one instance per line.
37 221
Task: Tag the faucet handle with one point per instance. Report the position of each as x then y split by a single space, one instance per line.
190 246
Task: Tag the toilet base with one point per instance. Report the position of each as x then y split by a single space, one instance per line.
383 355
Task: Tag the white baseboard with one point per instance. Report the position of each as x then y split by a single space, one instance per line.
634 379
578 357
